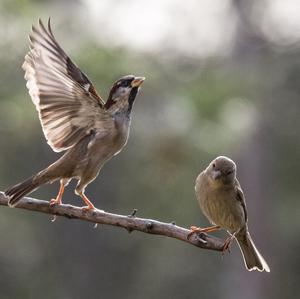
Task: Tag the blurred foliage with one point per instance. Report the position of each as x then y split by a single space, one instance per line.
190 109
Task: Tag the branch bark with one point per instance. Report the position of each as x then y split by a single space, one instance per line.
129 222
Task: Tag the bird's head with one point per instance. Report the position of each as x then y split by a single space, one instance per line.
222 169
123 93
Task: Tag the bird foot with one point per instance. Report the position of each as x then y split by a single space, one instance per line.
195 230
227 243
90 208
54 201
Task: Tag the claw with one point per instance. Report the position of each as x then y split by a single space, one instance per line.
54 201
227 243
88 208
194 230
57 200
197 230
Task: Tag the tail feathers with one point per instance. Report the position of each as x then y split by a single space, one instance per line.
18 191
252 258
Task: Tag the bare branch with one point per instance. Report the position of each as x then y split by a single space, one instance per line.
130 222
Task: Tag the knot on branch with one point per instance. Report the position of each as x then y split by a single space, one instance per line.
149 225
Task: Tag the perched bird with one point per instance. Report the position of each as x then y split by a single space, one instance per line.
222 201
73 116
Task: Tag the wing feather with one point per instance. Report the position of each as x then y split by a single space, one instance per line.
241 198
67 102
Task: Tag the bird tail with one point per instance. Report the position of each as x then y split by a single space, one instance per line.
16 192
252 258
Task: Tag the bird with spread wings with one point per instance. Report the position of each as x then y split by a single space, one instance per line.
73 116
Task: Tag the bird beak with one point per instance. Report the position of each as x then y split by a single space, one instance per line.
137 81
216 174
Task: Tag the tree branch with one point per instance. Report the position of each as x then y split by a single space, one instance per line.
130 222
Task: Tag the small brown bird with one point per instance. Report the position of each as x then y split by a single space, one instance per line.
222 201
73 117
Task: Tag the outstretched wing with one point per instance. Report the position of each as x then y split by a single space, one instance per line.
69 106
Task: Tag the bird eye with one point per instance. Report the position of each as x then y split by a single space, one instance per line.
214 165
125 83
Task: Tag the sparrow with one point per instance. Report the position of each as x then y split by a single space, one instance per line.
73 116
222 201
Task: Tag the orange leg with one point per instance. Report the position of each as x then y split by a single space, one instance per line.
89 206
195 229
227 244
57 200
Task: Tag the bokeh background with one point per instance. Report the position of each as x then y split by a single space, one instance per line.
223 77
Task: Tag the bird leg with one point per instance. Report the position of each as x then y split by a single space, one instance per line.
227 244
195 229
57 200
89 206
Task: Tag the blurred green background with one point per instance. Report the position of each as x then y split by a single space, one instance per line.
222 78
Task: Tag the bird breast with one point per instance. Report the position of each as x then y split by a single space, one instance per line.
221 207
111 142
122 128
